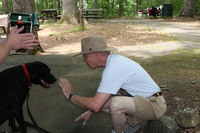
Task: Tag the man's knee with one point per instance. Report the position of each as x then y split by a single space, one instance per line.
115 104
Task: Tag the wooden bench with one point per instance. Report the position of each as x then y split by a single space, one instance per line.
93 13
89 13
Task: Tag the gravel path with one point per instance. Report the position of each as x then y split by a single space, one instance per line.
188 36
181 31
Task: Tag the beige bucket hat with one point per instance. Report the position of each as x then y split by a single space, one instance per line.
94 44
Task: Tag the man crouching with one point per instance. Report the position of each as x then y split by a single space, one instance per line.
126 92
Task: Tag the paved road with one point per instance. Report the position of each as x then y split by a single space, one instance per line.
51 110
188 38
181 31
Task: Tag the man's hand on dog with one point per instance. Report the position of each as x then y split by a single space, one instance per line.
66 87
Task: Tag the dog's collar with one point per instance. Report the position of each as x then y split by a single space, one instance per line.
27 74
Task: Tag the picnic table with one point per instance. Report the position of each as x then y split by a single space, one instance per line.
48 13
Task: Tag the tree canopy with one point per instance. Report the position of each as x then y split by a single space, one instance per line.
112 8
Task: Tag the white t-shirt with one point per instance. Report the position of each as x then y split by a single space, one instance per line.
122 72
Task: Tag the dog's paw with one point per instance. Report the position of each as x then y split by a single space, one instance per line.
15 130
4 132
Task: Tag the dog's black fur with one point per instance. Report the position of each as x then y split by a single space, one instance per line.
14 89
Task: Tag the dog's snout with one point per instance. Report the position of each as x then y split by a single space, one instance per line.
54 79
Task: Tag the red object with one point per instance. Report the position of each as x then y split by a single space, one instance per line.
139 13
150 11
19 22
27 74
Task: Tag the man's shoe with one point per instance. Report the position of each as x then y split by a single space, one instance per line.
134 128
115 132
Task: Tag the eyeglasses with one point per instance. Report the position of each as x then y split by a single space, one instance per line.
85 55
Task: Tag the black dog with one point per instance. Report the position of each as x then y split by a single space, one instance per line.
14 88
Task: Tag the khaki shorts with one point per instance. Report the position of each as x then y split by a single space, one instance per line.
151 108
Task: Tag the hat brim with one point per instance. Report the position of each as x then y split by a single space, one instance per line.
109 49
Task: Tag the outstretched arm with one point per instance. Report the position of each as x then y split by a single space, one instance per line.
15 40
94 104
85 117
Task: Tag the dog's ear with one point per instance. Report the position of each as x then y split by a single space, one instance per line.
36 65
36 68
39 63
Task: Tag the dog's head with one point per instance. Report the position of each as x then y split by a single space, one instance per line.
40 74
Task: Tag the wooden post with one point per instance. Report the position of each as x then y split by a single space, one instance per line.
81 14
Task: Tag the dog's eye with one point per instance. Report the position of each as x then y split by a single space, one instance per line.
43 74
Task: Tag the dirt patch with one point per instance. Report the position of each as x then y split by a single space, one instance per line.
180 99
57 38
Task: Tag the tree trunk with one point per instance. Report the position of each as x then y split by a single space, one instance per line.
81 14
5 6
24 6
95 4
70 12
135 5
42 4
113 4
85 3
59 9
54 4
120 7
189 8
46 4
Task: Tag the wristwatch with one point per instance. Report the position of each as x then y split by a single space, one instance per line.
70 96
